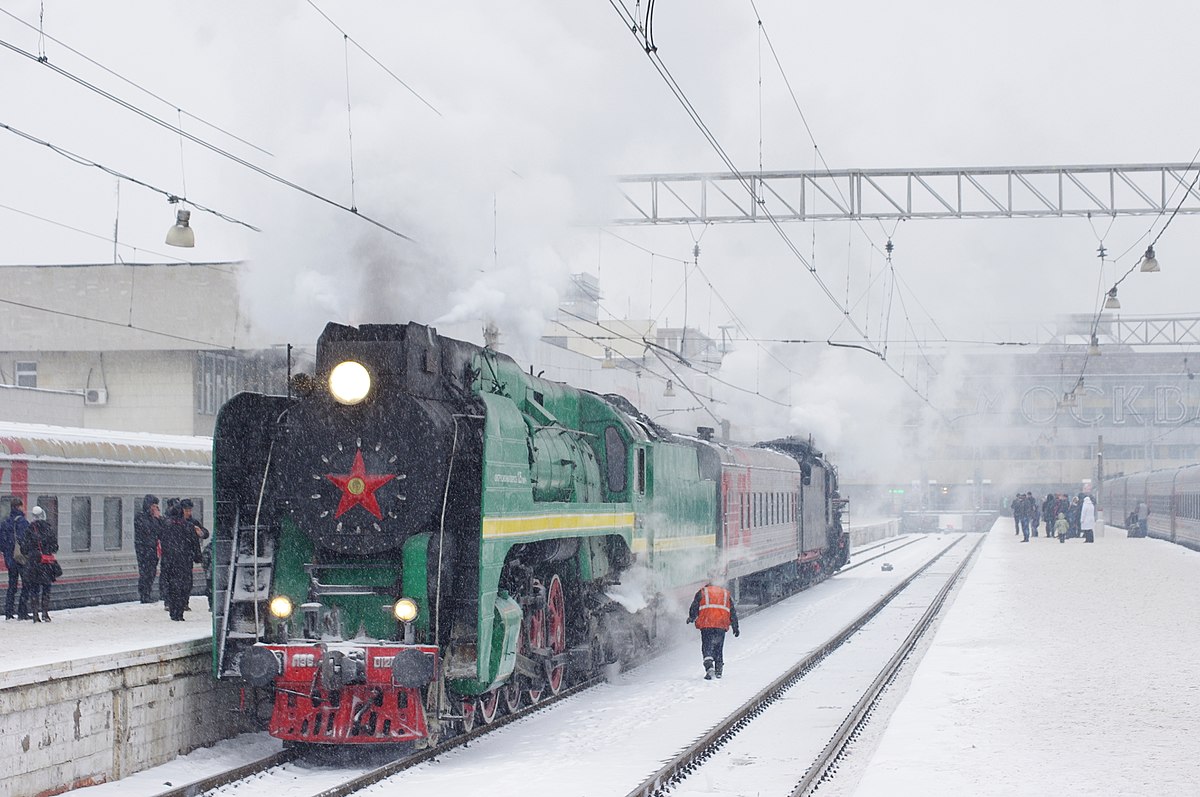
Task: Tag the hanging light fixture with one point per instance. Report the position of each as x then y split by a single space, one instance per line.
670 391
1149 261
1068 399
608 361
1094 347
181 233
1112 302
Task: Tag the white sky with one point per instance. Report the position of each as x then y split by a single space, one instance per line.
1056 669
541 102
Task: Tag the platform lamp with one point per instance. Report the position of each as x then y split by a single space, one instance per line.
1149 261
670 391
181 233
1112 302
1094 347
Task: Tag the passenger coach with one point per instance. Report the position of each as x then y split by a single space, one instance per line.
91 483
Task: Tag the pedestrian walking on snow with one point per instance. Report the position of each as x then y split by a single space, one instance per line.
713 613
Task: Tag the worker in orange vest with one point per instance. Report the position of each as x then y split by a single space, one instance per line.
713 613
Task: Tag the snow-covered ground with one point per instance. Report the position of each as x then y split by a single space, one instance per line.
1060 669
1064 669
77 641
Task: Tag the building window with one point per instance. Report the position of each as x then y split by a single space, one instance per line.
26 374
50 504
218 379
81 523
113 518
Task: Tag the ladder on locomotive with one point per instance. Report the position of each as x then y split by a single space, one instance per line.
243 587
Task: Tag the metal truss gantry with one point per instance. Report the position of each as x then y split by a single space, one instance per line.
948 193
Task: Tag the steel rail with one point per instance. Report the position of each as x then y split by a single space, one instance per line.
249 770
206 784
819 770
681 765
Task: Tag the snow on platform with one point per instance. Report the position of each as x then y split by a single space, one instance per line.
94 638
1064 669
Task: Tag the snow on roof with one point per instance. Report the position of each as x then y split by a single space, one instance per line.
45 442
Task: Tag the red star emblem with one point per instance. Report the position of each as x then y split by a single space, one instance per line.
358 487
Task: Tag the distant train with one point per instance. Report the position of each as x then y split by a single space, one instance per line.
1173 496
423 535
91 483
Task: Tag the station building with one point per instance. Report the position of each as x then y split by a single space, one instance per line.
1057 416
152 347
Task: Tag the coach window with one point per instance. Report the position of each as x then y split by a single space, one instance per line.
81 523
50 504
112 524
616 459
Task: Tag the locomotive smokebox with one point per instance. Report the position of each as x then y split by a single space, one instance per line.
364 475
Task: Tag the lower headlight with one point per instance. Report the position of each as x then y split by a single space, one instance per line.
281 606
405 610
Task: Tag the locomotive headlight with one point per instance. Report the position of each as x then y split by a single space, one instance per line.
281 606
405 610
349 382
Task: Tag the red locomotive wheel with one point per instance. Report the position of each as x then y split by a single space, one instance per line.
556 631
487 706
535 639
511 694
467 707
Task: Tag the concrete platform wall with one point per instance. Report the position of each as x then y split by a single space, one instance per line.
863 533
90 721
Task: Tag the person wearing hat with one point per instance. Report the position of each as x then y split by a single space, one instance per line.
180 550
146 527
12 534
205 550
39 548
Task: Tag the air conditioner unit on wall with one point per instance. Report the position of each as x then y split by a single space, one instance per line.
95 397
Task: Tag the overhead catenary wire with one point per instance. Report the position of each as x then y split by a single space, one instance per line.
42 58
106 322
819 155
378 63
660 67
93 235
207 145
82 161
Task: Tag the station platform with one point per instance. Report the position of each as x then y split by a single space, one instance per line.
101 692
1059 668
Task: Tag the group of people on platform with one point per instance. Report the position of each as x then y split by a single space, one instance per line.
29 547
176 537
1064 517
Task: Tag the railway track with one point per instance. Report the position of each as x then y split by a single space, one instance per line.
255 777
747 734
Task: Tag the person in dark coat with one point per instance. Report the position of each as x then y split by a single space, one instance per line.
12 534
1017 506
1048 515
1073 517
202 534
180 550
42 569
146 526
713 613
